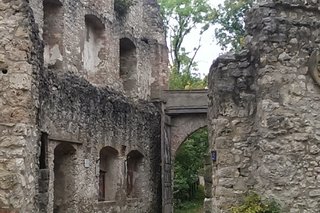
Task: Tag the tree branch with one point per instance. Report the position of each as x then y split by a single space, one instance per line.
194 54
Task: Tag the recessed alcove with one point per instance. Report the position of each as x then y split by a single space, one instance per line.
53 27
128 63
93 42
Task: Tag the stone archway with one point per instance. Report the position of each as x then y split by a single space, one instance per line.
185 111
183 126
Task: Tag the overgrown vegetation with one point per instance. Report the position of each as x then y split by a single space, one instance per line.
181 17
122 6
188 165
191 206
254 204
187 81
230 32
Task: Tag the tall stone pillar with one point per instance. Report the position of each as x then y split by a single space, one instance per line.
231 109
19 136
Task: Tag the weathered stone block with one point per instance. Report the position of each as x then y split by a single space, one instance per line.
314 193
7 180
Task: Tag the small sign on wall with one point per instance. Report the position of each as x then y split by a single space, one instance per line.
86 163
213 155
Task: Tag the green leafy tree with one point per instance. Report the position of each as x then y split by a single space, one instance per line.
181 17
230 31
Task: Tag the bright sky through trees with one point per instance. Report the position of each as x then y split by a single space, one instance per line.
209 50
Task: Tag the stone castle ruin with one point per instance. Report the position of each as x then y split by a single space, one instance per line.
78 132
264 119
83 127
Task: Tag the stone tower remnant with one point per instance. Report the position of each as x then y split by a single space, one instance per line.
264 102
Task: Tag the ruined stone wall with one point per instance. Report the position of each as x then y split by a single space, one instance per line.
231 117
154 29
61 116
264 120
106 119
19 102
85 38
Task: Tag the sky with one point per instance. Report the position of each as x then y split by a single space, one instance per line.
209 50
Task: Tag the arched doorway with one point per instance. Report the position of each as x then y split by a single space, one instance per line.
189 172
64 178
184 113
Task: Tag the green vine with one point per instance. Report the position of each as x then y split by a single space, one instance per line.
122 6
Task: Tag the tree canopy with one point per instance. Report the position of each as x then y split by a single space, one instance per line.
181 17
230 30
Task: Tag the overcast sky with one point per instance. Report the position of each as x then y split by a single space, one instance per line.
209 50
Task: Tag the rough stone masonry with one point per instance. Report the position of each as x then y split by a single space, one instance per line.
264 103
78 132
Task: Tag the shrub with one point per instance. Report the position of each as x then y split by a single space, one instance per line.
253 204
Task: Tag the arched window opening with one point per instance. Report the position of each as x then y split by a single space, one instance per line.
108 175
128 63
53 26
93 42
64 178
134 174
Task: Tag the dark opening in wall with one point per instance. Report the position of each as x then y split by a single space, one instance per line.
123 150
4 71
43 174
93 42
134 174
64 178
43 151
109 174
128 63
53 26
